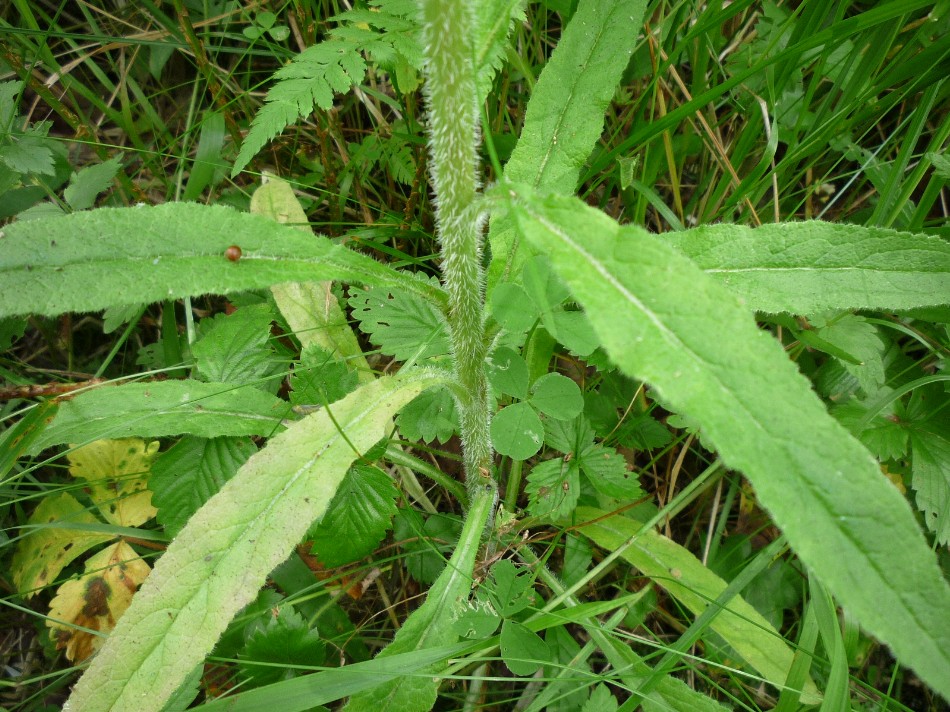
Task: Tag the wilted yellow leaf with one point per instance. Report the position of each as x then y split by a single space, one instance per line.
117 471
42 553
96 600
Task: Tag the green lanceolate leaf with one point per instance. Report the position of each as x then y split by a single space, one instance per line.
163 408
662 320
814 266
92 260
695 586
565 116
223 555
310 81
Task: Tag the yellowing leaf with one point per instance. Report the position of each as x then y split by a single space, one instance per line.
96 600
42 553
310 308
117 471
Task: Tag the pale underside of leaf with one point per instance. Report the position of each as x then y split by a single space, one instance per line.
221 558
662 320
310 308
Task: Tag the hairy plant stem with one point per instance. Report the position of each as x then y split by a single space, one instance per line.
453 141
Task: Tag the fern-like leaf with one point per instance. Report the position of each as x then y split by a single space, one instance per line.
309 81
393 153
493 22
387 32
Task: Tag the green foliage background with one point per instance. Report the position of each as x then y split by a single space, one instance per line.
659 174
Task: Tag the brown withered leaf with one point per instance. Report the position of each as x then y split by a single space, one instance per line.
96 600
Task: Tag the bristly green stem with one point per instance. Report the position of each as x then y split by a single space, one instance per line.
453 115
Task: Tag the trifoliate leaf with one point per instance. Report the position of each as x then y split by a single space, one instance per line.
517 431
557 396
42 553
96 600
236 348
606 470
431 416
402 325
191 472
274 650
508 373
358 517
117 473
